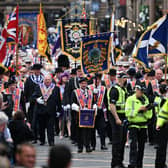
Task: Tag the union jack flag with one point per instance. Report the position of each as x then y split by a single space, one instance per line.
12 26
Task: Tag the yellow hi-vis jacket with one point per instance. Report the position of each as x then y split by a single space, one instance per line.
163 115
135 118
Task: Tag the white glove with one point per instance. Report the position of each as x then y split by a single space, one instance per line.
95 91
27 106
68 106
58 114
95 108
40 100
65 108
75 107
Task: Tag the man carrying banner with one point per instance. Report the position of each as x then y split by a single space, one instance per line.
82 99
116 104
100 98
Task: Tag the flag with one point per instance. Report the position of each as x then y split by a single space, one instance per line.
159 37
72 31
95 51
140 51
42 42
3 38
57 42
12 26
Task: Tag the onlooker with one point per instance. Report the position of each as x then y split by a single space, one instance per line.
20 131
60 156
25 155
4 162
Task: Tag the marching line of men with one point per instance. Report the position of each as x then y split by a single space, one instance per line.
132 102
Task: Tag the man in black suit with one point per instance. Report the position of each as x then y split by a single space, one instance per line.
69 88
29 87
47 96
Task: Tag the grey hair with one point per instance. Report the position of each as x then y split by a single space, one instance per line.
3 118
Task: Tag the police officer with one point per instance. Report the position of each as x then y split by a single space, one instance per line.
116 104
138 114
162 139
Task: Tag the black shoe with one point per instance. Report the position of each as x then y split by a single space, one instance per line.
51 144
93 148
122 166
104 148
88 150
73 142
42 143
80 150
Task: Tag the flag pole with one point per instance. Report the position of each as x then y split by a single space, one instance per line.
166 56
17 42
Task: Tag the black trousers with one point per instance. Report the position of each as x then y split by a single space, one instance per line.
100 126
74 126
162 147
138 138
46 122
83 137
119 136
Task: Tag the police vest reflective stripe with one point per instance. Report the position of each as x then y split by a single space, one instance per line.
83 101
121 99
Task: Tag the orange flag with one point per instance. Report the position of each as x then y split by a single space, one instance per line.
42 43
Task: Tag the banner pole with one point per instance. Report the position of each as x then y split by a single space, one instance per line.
166 67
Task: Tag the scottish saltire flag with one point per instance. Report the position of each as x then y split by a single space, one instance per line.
12 26
42 42
159 37
95 53
140 51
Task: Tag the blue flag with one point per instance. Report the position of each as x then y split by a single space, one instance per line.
95 53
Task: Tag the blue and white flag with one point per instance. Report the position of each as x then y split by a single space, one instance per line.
140 51
159 37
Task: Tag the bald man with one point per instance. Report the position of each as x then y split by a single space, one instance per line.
159 75
48 102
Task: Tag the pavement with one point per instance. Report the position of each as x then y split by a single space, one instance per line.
96 159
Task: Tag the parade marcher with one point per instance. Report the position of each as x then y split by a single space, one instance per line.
138 113
82 98
116 104
69 87
29 87
162 128
64 118
47 96
100 98
14 97
159 75
111 79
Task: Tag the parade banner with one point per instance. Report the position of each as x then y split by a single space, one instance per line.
87 118
28 28
72 32
95 53
42 42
